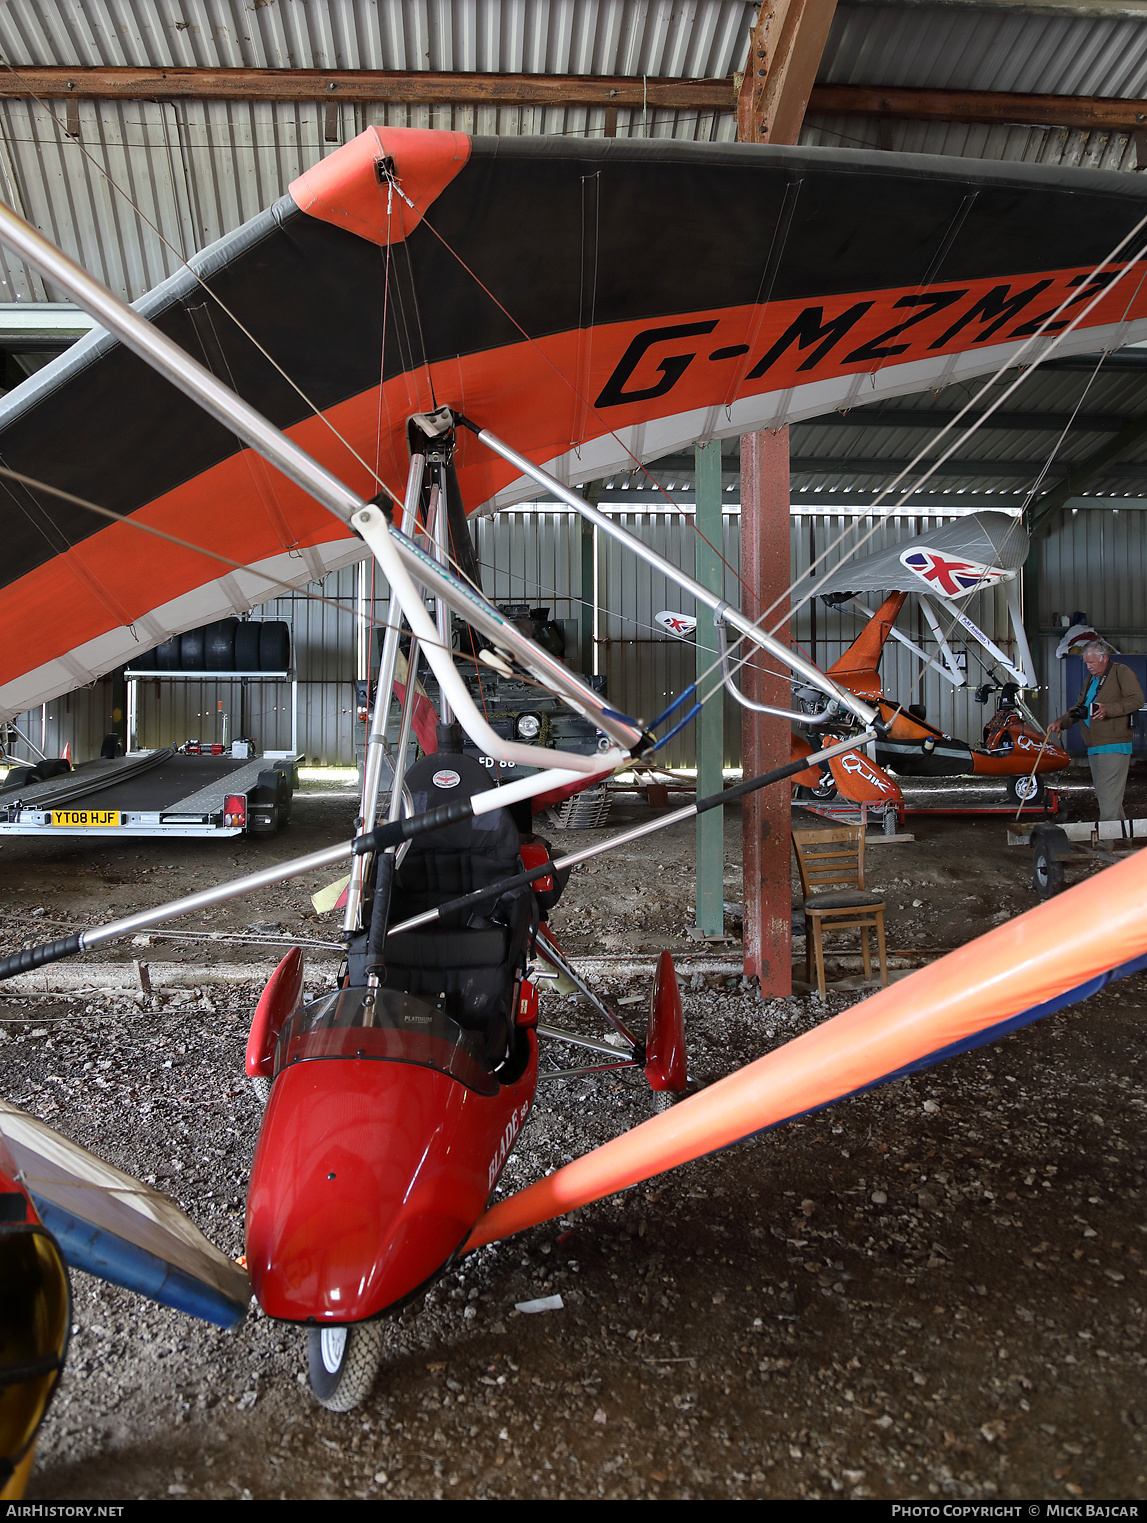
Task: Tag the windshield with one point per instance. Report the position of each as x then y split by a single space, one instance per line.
389 1027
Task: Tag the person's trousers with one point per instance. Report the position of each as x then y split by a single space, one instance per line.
1109 778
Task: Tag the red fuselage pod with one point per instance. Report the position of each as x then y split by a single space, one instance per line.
379 1150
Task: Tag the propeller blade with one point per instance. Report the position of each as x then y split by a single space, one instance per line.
1063 951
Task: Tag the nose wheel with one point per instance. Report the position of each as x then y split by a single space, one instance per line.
343 1363
1026 789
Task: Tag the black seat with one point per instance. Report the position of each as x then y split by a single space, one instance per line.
467 969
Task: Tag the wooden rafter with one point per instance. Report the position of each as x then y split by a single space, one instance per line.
778 99
784 54
991 107
416 89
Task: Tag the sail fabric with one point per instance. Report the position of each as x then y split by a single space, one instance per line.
1063 951
675 292
959 558
117 1227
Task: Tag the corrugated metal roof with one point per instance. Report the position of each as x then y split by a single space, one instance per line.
197 169
975 47
633 37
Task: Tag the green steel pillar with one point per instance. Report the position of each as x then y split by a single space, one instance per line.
710 723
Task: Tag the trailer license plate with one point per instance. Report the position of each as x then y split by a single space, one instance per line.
72 819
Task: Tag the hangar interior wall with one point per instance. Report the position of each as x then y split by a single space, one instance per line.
1095 560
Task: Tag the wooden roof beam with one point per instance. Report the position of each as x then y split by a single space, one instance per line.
375 85
772 103
989 107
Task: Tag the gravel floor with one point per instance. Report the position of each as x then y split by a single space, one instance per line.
931 1291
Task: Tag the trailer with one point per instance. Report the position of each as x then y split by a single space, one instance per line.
152 793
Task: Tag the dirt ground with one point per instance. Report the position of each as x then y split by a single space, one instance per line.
931 1291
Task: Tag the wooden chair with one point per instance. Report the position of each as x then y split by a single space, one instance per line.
836 857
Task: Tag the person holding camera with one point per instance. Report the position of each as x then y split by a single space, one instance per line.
1104 712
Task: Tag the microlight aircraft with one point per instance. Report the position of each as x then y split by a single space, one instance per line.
796 281
950 564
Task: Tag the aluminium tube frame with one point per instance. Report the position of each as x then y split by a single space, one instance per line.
636 832
954 674
477 610
376 733
370 523
330 856
240 418
436 534
821 716
744 626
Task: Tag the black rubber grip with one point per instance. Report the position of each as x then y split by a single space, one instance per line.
36 957
494 891
394 832
739 790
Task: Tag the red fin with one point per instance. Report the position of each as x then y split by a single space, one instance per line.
283 991
665 1042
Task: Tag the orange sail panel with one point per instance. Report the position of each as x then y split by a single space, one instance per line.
390 280
1013 975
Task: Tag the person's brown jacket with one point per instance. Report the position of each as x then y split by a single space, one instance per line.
1121 694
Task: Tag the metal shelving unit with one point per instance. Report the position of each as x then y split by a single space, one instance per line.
291 676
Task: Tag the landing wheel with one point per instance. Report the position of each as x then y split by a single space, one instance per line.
342 1363
821 794
1026 789
1047 873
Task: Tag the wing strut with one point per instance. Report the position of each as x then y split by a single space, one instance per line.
745 626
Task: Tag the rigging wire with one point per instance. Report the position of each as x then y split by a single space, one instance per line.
142 215
565 381
131 522
977 423
1028 500
1103 291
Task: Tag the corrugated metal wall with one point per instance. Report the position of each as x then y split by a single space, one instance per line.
1096 561
321 618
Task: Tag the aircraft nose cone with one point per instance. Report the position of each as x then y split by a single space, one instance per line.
359 1192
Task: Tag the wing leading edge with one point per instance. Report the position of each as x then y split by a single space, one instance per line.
701 291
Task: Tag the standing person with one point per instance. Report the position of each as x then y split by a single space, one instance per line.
1104 708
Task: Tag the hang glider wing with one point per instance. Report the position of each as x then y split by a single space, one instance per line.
677 292
1062 952
116 1227
959 558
